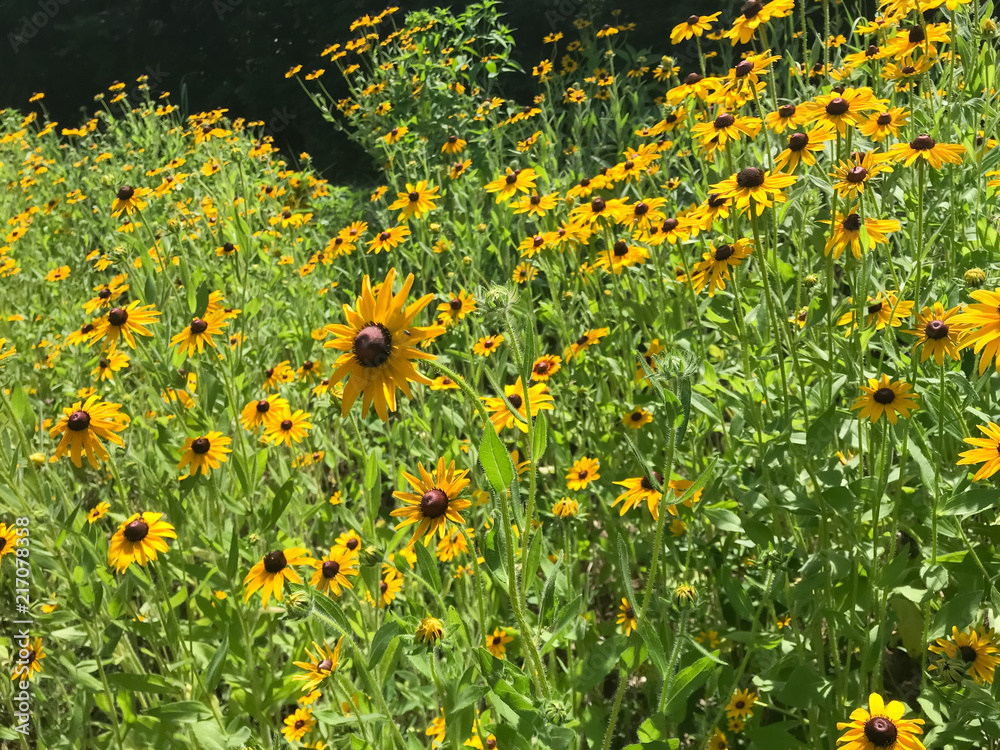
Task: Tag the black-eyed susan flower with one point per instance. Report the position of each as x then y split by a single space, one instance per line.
198 333
534 204
637 418
754 13
881 727
847 231
389 238
429 631
58 274
496 643
108 365
390 586
321 665
83 424
436 501
264 412
124 323
487 345
396 134
349 540
802 147
852 175
457 307
694 26
986 451
938 333
885 124
139 539
741 704
269 574
713 270
27 667
443 383
298 724
754 189
584 471
204 453
726 127
885 396
506 186
379 343
626 620
717 741
926 148
293 428
416 201
840 109
96 513
600 209
885 310
981 323
8 540
586 340
545 367
978 653
620 255
500 415
565 507
453 145
782 118
524 272
129 200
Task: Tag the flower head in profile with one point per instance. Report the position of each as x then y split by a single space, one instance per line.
129 200
429 631
321 665
881 727
565 508
626 619
435 502
980 322
977 652
138 540
713 270
752 15
885 310
926 148
83 425
269 575
694 26
885 396
198 333
378 343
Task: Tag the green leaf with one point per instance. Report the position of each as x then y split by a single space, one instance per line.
141 683
180 712
539 438
371 471
624 569
654 646
213 673
686 682
534 557
201 303
774 737
548 592
970 502
427 566
385 635
334 612
281 499
496 461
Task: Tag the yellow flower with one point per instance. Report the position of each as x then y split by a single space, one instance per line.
583 472
885 397
138 539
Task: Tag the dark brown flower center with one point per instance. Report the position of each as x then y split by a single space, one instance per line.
433 503
414 196
724 121
884 396
324 666
786 110
515 400
198 326
936 329
352 544
837 106
498 640
916 35
856 174
752 8
875 309
103 363
597 205
908 70
78 421
884 119
136 530
744 68
201 445
541 367
621 248
798 141
307 365
647 485
286 424
871 51
724 252
740 704
228 247
880 731
968 653
330 568
385 236
263 406
640 209
692 78
852 223
300 723
275 562
373 345
104 293
511 179
751 177
452 139
692 20
716 200
117 317
582 474
923 143
125 192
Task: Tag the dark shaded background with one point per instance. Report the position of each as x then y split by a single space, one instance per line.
233 54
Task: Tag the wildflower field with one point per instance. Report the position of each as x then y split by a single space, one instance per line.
658 411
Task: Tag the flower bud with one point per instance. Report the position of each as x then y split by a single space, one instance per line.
975 277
